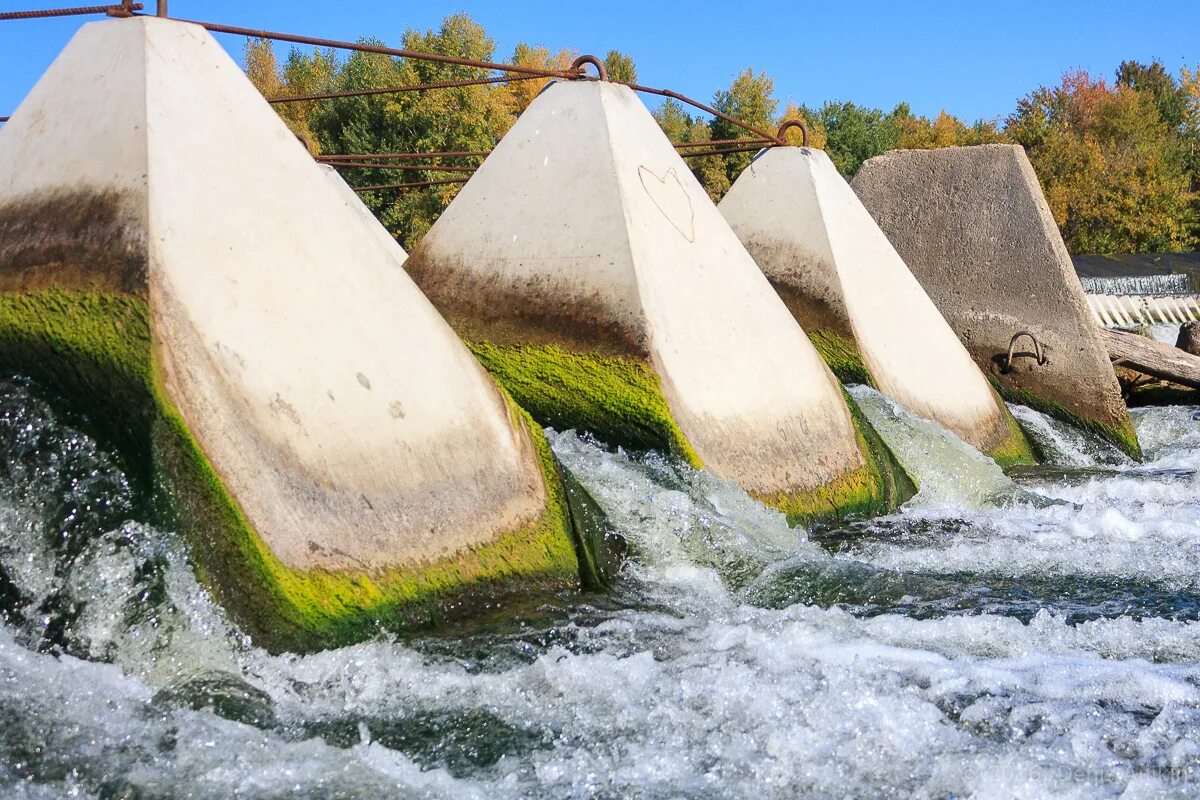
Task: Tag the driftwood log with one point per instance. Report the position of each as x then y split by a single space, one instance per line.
1140 353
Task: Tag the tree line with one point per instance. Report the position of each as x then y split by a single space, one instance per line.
1119 160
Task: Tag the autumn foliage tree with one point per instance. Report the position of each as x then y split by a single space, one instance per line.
1114 172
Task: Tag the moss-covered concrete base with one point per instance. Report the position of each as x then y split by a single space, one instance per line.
1124 436
842 355
1016 450
95 349
845 360
881 485
620 400
617 398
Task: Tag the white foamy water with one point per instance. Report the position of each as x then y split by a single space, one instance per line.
958 648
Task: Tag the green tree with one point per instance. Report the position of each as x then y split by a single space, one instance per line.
1154 80
855 133
518 94
620 67
674 120
748 99
461 118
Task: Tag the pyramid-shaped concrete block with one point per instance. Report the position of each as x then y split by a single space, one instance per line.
858 302
175 263
975 229
591 274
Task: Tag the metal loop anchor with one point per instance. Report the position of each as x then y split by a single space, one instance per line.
793 123
578 63
1039 351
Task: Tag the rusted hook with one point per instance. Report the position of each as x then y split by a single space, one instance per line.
578 63
1039 351
793 123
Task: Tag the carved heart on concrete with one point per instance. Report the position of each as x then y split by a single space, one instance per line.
672 200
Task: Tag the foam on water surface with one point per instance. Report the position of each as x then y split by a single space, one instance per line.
992 639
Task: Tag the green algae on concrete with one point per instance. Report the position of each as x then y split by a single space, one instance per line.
844 359
617 398
879 486
1124 436
1016 450
95 350
282 606
620 400
842 355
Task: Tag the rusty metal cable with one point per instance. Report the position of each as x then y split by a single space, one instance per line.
483 153
403 167
416 87
712 142
415 185
637 87
576 72
416 55
118 10
399 156
704 153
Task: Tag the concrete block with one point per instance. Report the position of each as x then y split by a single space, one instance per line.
861 306
175 264
974 228
590 273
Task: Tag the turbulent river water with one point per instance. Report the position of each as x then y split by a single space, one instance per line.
1034 636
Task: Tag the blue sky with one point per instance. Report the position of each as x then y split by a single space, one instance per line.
973 58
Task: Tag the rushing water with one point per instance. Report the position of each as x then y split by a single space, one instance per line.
1036 638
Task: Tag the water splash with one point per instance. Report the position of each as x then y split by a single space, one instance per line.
952 649
947 469
1064 445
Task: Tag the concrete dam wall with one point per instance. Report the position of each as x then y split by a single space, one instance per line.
349 437
973 226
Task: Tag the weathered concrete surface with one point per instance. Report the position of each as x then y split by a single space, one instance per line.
338 455
593 276
974 228
852 293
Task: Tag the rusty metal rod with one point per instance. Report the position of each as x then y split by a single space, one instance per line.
637 87
724 152
416 87
381 50
711 142
122 9
415 185
406 167
448 154
5 119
